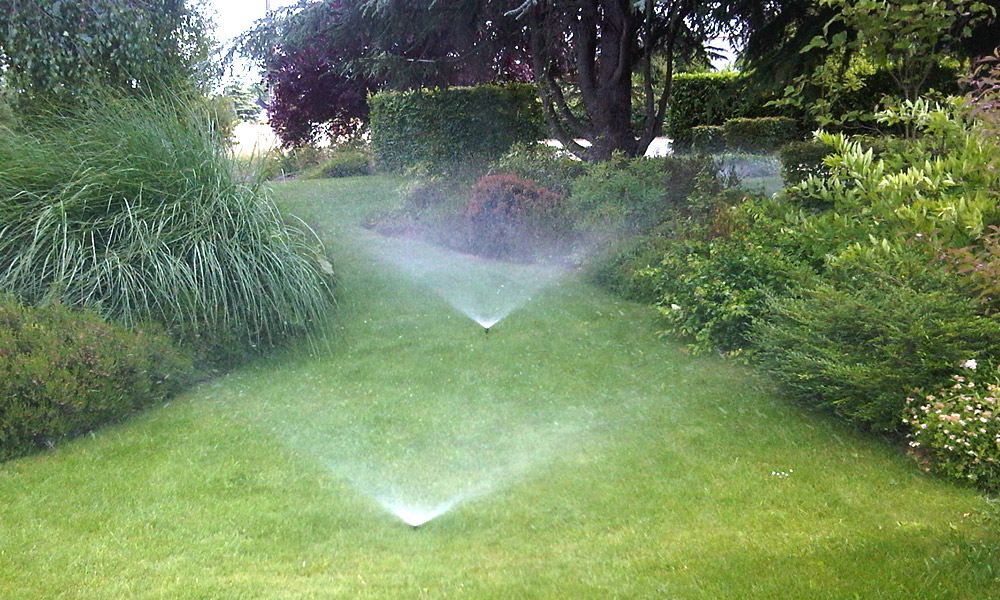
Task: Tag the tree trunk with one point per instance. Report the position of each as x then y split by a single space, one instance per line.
600 42
612 120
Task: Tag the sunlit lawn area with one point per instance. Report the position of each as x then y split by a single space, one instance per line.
588 458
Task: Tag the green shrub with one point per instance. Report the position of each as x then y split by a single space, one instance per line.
513 217
551 167
940 182
759 134
452 129
63 373
134 207
800 160
957 428
713 280
622 195
708 138
858 340
342 162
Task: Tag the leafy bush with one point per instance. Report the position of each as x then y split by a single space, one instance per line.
343 162
759 134
551 167
63 373
939 182
958 428
713 280
626 267
454 128
133 207
859 339
513 217
801 160
634 195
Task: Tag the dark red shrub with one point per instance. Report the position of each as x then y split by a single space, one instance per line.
514 217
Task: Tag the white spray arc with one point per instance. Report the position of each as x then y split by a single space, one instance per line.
462 453
484 290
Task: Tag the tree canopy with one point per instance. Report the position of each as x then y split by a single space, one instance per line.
51 49
322 58
603 68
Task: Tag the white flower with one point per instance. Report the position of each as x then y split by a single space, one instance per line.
970 364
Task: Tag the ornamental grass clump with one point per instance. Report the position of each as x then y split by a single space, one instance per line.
958 429
135 208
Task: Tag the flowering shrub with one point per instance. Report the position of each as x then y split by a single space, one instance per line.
959 429
512 217
64 372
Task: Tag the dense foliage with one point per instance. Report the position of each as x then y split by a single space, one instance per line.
452 128
859 339
874 274
64 372
904 40
133 207
49 50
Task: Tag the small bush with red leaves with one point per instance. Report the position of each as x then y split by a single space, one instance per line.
512 217
64 372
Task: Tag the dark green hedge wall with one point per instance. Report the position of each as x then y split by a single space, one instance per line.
700 99
452 127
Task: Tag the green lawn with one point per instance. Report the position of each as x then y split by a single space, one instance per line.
592 460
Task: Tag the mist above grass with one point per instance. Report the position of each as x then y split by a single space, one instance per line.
675 476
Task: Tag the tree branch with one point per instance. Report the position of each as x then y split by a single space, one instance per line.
551 93
654 121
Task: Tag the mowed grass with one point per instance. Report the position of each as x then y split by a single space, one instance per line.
600 461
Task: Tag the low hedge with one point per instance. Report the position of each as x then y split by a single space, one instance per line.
452 128
799 160
708 138
64 372
759 134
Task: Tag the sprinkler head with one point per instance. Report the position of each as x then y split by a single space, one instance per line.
487 330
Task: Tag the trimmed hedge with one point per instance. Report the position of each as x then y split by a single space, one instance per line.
452 128
799 160
708 138
759 134
64 372
699 99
